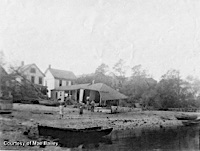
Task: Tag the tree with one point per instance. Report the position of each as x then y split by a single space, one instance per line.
102 69
2 58
137 71
119 68
139 87
120 71
22 89
195 85
174 91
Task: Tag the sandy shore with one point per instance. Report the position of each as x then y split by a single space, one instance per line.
25 116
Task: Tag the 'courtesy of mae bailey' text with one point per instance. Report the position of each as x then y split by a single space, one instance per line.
29 143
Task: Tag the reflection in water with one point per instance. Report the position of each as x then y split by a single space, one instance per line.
85 143
181 138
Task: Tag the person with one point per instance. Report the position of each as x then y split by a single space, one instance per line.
92 106
81 109
61 108
88 102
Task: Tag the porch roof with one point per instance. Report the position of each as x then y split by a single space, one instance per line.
106 92
71 87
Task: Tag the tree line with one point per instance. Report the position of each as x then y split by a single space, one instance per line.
171 91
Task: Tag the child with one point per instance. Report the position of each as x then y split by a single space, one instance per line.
81 109
61 107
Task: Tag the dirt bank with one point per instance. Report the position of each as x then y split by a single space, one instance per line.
25 117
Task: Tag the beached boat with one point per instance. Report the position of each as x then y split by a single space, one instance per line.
186 117
191 122
73 137
56 132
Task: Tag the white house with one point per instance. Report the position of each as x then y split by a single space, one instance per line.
32 73
55 78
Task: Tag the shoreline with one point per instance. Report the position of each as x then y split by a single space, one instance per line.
45 115
27 116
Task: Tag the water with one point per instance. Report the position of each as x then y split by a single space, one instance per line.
176 139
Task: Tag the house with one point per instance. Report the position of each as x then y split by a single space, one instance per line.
55 78
32 73
28 82
99 92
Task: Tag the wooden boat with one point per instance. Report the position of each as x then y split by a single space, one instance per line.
73 137
191 122
186 117
66 132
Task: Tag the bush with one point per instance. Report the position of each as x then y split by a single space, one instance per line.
35 102
16 101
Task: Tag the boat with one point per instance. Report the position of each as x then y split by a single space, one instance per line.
186 117
56 132
71 137
191 122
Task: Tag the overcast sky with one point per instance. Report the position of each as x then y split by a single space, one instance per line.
79 35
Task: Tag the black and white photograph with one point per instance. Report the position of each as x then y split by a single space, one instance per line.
100 75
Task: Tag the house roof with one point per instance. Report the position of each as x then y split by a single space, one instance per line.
62 74
106 92
26 67
23 68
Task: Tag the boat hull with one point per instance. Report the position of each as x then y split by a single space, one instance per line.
191 122
187 117
73 136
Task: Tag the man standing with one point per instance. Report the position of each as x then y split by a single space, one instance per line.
92 106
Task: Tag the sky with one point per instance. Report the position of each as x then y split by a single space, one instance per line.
79 35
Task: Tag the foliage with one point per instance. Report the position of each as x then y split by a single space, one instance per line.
102 69
22 89
120 72
2 58
170 92
175 92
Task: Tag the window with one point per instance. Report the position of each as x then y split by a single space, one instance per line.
32 70
32 79
69 83
40 80
60 82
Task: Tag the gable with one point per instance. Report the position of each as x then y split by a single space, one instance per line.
26 70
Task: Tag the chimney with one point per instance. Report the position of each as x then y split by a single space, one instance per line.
22 63
49 66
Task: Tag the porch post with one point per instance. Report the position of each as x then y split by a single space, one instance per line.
100 101
75 95
81 95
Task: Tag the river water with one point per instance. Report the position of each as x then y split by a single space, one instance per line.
173 139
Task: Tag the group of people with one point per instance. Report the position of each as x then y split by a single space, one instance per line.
90 106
